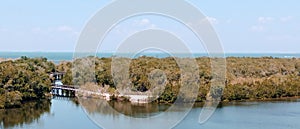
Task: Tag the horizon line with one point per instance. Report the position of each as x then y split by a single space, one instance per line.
150 52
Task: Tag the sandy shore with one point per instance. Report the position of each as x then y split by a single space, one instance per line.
5 59
2 59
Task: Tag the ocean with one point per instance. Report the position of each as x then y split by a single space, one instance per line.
68 56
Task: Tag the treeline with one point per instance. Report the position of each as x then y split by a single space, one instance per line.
246 78
262 78
27 79
23 80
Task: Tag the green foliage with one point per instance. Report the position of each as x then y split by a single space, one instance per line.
24 79
246 78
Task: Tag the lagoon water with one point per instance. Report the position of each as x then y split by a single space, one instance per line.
67 114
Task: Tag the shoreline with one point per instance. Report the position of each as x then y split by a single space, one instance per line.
196 103
108 97
7 59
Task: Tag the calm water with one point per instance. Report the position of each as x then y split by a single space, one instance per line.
66 114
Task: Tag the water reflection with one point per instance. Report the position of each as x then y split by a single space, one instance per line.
139 110
67 114
28 113
134 116
115 108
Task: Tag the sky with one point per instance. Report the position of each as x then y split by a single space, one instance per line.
248 26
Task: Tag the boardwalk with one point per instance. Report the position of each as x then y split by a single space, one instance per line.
71 91
64 90
65 87
58 89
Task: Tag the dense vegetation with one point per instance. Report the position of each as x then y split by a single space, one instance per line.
246 78
23 80
27 79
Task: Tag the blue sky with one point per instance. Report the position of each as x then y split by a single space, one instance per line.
248 26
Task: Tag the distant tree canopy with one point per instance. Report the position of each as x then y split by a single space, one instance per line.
24 79
246 78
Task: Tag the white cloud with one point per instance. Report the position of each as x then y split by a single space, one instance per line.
125 30
212 20
76 33
280 37
286 19
68 29
229 21
3 29
262 23
143 23
257 28
264 20
51 30
64 28
36 29
133 26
